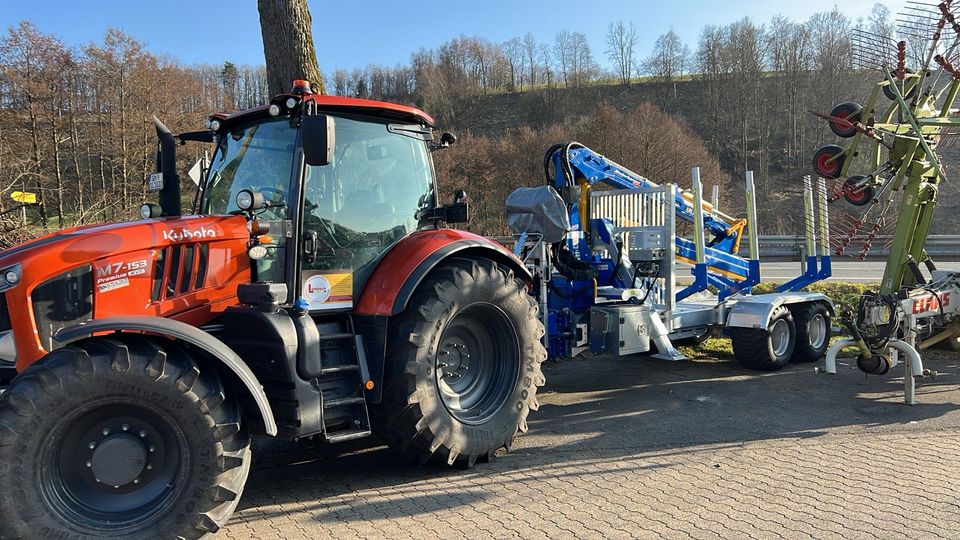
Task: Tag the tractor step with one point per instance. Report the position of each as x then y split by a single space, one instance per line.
347 435
339 369
342 377
336 336
341 402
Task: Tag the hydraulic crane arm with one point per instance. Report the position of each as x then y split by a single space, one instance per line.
576 166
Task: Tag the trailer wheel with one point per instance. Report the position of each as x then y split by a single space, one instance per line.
850 111
813 324
887 91
119 437
766 349
822 163
463 365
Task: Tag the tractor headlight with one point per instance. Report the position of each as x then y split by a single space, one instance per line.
257 251
148 211
291 102
273 109
215 125
249 200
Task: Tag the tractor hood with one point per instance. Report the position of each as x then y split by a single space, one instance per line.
91 242
186 268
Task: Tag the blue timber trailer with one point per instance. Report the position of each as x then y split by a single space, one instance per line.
606 264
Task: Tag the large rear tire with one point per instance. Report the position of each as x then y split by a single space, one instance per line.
463 365
813 323
119 437
766 349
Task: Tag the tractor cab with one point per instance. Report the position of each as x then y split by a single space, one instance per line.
328 188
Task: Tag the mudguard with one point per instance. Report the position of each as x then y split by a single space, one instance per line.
754 311
400 271
190 334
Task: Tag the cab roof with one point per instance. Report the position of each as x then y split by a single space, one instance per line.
367 107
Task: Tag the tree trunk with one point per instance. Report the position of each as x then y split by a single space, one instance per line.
57 169
288 45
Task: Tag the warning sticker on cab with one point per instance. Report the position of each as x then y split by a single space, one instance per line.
329 289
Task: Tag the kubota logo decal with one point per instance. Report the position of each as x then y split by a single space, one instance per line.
179 235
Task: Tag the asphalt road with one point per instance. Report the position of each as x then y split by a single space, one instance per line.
639 448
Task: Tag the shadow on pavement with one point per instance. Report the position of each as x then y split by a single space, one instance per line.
601 410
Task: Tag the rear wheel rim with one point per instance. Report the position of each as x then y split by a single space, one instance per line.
817 330
780 337
477 363
115 465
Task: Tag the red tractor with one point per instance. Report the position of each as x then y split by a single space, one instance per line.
313 295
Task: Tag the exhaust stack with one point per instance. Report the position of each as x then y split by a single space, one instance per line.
169 195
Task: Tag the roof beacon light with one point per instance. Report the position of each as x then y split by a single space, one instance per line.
301 87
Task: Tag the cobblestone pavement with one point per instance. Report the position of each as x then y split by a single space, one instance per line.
626 448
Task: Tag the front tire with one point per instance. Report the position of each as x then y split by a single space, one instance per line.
463 365
766 349
119 437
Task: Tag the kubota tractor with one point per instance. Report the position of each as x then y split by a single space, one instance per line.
312 294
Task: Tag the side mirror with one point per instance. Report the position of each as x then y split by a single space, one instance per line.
446 140
318 133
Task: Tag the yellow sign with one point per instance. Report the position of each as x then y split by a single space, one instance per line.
24 197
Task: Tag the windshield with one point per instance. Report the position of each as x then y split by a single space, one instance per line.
257 156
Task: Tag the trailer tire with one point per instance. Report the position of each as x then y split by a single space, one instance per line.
813 324
463 365
119 437
766 349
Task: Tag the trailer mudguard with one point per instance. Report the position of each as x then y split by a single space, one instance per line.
400 270
754 311
192 335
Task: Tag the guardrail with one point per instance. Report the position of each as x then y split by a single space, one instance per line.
789 248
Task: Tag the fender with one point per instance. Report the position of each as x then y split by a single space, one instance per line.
398 274
190 334
400 271
754 311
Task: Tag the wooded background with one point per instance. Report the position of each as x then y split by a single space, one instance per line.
75 123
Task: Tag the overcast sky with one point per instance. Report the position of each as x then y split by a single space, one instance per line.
354 34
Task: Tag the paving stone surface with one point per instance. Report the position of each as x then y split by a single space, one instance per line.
639 448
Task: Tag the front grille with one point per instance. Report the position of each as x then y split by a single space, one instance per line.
180 269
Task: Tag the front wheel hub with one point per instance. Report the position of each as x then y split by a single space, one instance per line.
119 460
116 464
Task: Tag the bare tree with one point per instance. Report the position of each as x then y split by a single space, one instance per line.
573 56
562 45
288 44
530 54
621 42
668 59
515 54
